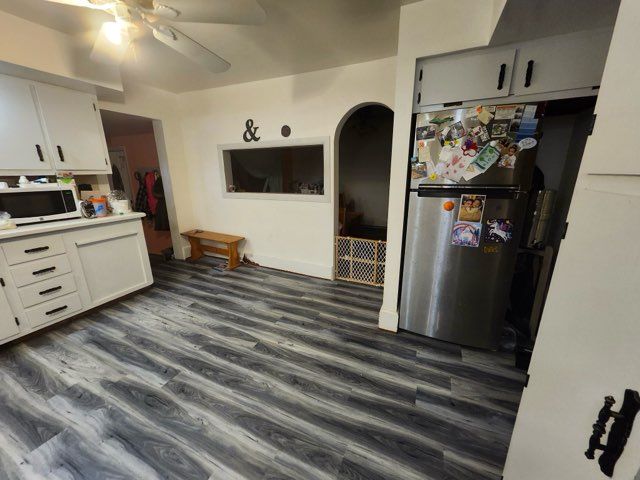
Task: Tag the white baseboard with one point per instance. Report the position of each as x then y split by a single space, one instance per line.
388 320
186 253
311 269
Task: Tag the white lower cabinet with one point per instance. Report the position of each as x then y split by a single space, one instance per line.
82 269
8 324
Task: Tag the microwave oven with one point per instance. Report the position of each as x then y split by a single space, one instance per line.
43 203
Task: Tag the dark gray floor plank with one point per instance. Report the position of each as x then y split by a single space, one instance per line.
250 374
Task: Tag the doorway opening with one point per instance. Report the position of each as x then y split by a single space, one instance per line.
135 162
363 164
565 126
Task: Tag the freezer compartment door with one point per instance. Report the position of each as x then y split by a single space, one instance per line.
456 293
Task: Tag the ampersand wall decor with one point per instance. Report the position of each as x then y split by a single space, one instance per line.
250 132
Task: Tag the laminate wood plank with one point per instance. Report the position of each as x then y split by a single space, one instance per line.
250 374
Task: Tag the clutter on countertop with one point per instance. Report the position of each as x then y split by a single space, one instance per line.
6 223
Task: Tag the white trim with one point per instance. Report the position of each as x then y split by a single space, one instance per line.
295 266
290 197
388 320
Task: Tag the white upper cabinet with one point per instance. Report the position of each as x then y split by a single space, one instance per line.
22 142
75 132
467 76
564 62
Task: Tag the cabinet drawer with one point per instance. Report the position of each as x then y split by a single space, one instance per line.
47 290
54 309
28 249
33 272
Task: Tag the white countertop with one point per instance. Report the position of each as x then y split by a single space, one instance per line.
66 225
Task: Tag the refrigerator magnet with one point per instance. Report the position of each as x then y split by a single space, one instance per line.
508 160
466 234
527 143
471 208
499 128
499 230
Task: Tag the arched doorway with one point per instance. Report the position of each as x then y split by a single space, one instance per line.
363 163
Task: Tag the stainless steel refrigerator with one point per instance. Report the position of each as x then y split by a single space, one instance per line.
459 261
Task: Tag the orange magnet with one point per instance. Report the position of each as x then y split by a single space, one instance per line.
448 206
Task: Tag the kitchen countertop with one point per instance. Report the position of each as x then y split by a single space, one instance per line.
47 227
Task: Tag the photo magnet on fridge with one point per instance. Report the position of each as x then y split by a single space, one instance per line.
471 208
508 159
426 133
466 234
499 230
499 128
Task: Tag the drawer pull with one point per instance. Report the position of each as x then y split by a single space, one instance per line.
36 250
60 153
51 290
56 310
44 270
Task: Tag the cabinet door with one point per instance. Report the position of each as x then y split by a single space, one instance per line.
74 129
114 261
21 134
563 62
8 326
467 76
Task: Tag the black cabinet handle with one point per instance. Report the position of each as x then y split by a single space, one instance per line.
503 71
56 310
60 153
527 78
44 270
36 250
40 155
50 290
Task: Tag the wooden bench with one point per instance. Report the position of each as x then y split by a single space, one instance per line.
230 241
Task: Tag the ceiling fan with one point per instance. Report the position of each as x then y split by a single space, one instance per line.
115 37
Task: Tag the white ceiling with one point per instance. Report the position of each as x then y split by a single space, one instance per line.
298 36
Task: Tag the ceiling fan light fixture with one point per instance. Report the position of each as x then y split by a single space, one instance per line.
100 4
165 11
113 32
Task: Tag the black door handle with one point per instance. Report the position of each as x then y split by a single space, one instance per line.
36 250
60 153
44 270
50 290
619 433
56 310
503 70
527 78
40 155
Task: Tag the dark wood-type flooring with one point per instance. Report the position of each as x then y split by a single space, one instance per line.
250 374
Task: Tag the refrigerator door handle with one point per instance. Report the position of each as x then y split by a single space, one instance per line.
491 191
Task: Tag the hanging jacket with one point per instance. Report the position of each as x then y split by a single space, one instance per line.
162 218
142 202
150 180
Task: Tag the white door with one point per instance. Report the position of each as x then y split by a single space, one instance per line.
75 130
467 76
8 325
23 146
588 343
563 62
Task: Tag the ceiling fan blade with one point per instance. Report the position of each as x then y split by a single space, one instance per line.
189 48
111 45
238 12
95 4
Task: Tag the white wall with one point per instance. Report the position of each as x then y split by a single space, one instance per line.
427 28
587 346
290 235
